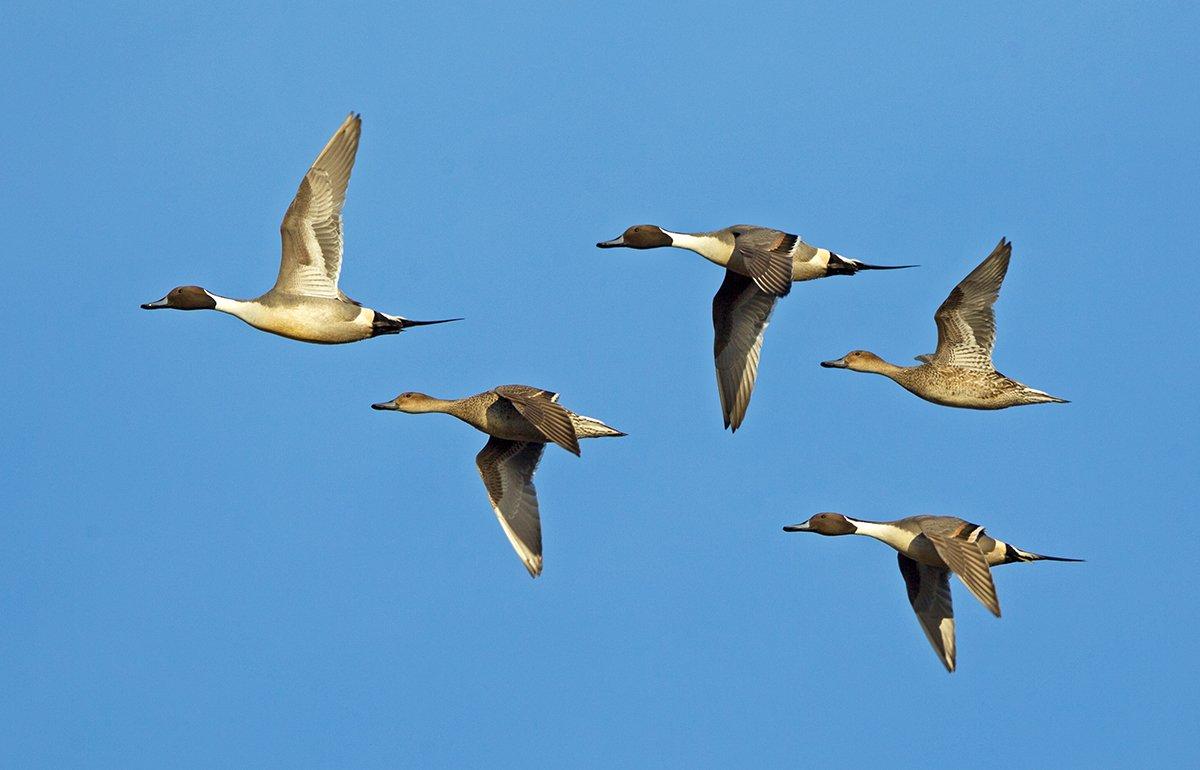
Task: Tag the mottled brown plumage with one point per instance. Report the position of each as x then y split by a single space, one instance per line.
519 420
960 372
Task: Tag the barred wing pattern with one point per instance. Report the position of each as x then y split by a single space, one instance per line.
966 321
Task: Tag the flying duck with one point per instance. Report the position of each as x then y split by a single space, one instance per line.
305 303
760 266
520 421
960 372
929 548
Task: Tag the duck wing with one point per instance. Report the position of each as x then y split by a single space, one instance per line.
765 255
312 227
741 312
956 542
507 469
541 408
966 321
929 594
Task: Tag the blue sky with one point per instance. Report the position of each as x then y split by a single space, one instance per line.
213 553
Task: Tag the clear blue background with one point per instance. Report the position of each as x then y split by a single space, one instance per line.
214 554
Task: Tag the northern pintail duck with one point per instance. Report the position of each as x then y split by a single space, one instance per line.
305 303
760 266
929 548
960 372
520 421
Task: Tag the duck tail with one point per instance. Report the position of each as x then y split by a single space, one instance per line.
1016 554
385 323
839 265
407 322
590 427
1039 557
1042 397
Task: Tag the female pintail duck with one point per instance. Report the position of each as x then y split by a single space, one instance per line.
929 548
760 266
306 303
960 372
520 420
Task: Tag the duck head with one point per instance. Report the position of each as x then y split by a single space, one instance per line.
184 298
639 237
857 360
410 402
825 524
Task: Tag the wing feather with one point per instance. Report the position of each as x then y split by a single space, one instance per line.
966 321
541 408
955 542
311 230
741 313
507 469
929 594
765 255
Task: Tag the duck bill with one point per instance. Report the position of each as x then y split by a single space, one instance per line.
158 304
615 243
837 363
798 528
386 406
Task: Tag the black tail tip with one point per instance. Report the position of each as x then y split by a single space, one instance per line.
407 322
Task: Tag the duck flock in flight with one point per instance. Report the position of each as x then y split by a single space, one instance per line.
761 264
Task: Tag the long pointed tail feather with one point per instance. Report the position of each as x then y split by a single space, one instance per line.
839 265
865 266
1039 557
590 427
407 322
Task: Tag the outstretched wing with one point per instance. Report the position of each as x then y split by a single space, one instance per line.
966 321
741 312
765 255
929 595
540 407
312 227
507 469
955 542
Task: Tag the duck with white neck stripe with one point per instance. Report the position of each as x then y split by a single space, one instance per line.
306 303
760 266
929 548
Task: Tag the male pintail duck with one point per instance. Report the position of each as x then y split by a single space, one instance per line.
520 420
760 266
306 303
960 372
929 548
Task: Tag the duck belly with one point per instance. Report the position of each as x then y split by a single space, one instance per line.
961 388
331 323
